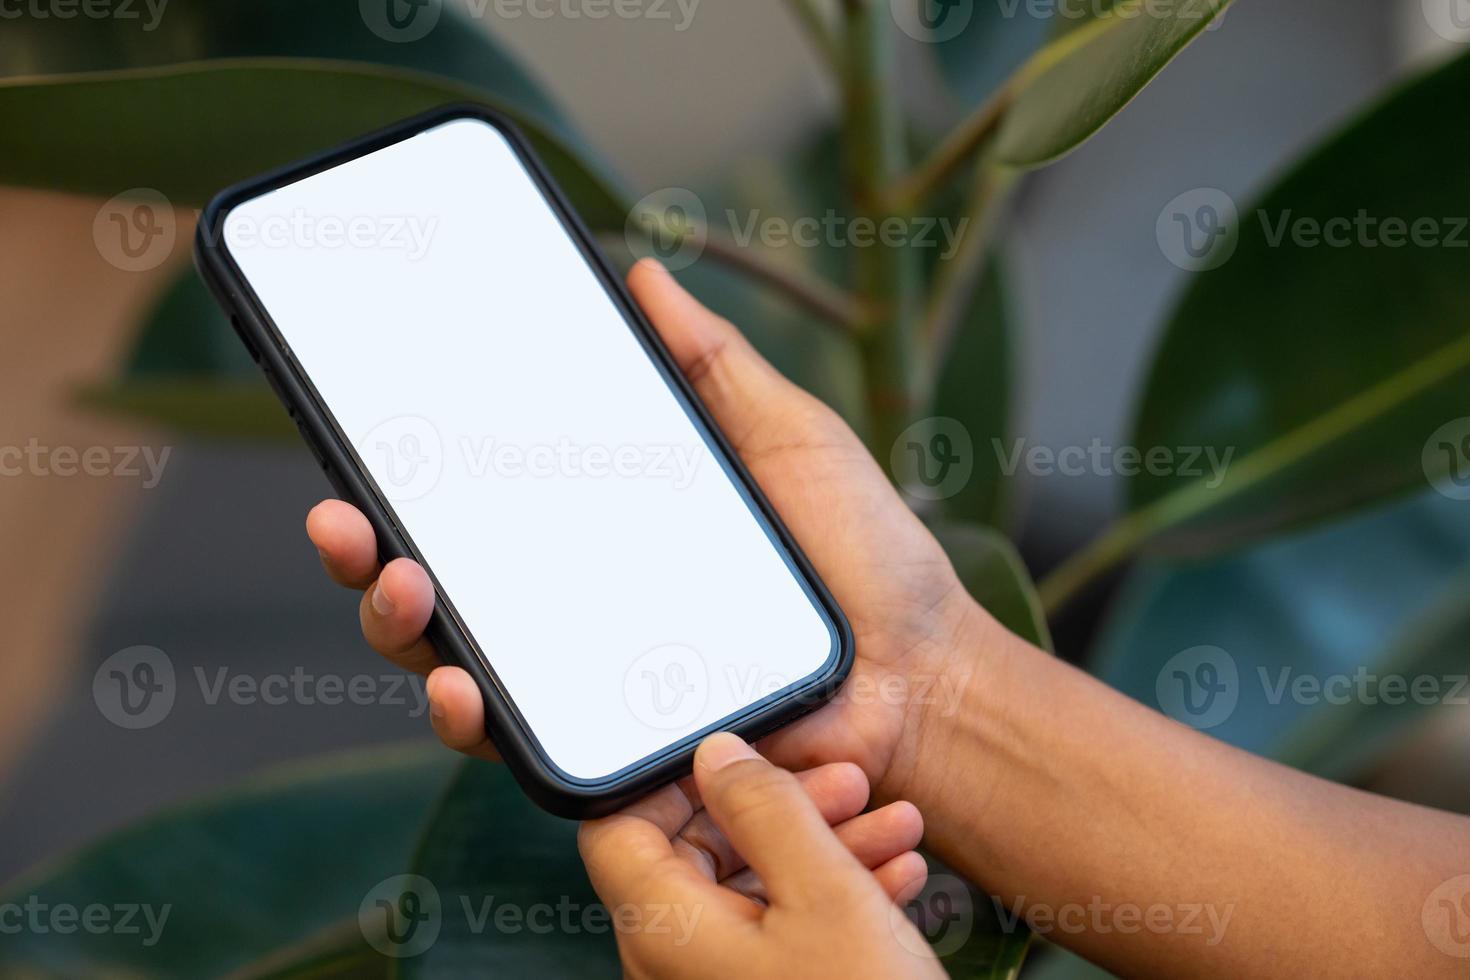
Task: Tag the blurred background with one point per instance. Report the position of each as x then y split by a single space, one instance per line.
205 557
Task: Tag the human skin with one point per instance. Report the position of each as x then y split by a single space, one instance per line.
1147 847
822 909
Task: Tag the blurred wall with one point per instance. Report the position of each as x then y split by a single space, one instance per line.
671 106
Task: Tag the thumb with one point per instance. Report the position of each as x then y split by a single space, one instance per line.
739 387
772 822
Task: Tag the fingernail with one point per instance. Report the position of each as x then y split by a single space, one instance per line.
654 264
382 604
719 750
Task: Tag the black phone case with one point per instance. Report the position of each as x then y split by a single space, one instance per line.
552 789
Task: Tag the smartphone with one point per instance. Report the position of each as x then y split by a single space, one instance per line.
469 370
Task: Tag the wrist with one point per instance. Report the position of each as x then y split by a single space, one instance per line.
956 683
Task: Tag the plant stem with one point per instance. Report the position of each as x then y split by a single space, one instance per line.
1103 554
958 148
820 33
834 305
887 277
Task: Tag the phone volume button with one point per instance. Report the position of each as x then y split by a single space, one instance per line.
277 387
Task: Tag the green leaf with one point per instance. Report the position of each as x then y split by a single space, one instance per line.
974 389
186 339
964 927
1324 369
189 130
515 898
1394 603
187 334
1063 964
243 873
457 47
993 572
340 950
1010 956
1073 86
1079 15
189 373
1342 742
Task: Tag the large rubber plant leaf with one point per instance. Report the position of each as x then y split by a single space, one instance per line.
1300 632
974 389
244 874
188 130
188 372
1081 79
514 896
446 40
1329 367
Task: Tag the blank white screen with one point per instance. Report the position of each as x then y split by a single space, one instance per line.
607 566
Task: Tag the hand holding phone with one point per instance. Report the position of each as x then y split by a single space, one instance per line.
914 622
823 901
473 377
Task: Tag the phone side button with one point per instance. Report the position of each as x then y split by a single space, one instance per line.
277 387
338 484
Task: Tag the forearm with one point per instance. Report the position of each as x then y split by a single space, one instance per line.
1158 851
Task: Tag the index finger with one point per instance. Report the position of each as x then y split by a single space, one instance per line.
773 823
